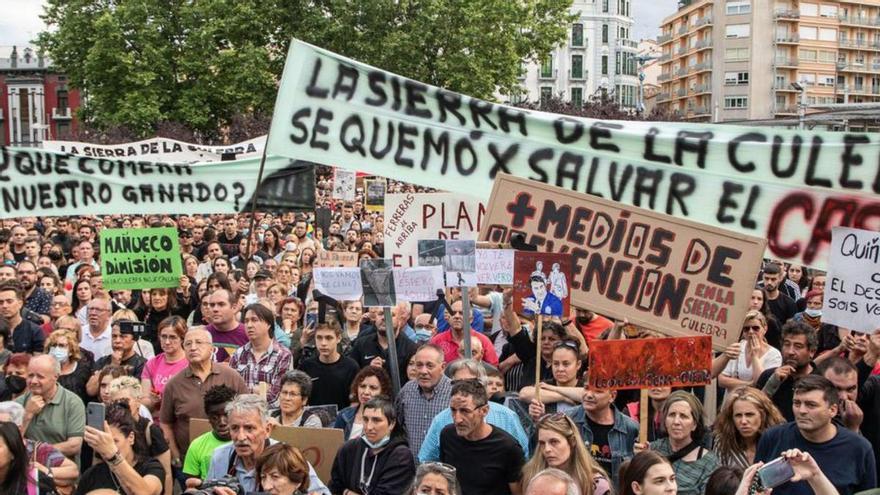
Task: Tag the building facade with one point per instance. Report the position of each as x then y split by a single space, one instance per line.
35 102
598 56
735 60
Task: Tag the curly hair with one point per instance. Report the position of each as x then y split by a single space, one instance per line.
379 373
72 343
728 440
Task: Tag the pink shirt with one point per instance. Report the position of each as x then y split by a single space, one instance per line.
159 371
450 347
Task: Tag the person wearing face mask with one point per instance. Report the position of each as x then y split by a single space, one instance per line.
15 376
829 338
378 463
75 371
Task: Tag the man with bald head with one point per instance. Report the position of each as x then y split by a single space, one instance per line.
552 481
184 393
52 414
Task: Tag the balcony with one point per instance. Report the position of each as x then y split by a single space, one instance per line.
786 14
859 21
681 72
666 57
858 44
681 92
785 62
789 110
663 97
681 51
577 75
664 38
703 44
860 67
627 44
682 30
790 38
703 22
702 88
61 113
784 86
702 67
547 75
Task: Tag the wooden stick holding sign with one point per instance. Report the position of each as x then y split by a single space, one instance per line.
540 289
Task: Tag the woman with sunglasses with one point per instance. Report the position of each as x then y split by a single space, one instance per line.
560 446
434 478
565 390
755 356
379 462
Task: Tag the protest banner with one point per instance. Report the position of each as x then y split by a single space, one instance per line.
662 272
318 445
140 258
329 259
418 284
495 266
460 263
852 286
378 282
411 217
343 184
342 284
162 150
541 283
431 252
764 182
649 363
374 198
44 183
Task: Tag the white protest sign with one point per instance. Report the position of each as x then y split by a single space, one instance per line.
852 287
418 284
413 217
161 150
342 284
495 266
460 263
343 184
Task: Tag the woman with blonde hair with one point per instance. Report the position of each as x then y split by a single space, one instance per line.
560 446
63 345
755 354
747 413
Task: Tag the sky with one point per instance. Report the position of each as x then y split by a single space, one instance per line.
20 21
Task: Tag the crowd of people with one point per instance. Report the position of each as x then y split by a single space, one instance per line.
242 343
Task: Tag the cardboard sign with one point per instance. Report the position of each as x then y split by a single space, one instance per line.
412 217
648 363
852 287
418 284
460 263
342 284
140 258
374 198
495 266
343 184
662 272
318 445
336 259
542 283
377 279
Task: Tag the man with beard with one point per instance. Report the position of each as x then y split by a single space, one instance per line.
35 298
26 336
198 457
799 344
229 237
843 456
782 306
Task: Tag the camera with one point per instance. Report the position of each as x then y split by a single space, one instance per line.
129 327
231 482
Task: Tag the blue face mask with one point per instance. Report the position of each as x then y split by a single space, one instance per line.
423 335
379 444
813 313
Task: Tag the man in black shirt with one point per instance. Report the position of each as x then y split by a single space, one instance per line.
487 459
26 336
799 344
229 237
782 306
371 349
331 372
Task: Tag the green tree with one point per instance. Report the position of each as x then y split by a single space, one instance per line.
202 62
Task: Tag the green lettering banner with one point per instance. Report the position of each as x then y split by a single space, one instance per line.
140 258
790 187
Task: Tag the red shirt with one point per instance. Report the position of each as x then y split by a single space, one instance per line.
593 329
450 347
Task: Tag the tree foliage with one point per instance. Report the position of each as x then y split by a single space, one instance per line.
201 62
601 106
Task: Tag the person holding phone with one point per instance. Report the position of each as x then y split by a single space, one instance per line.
803 468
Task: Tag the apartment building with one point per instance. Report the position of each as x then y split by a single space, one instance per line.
597 57
732 60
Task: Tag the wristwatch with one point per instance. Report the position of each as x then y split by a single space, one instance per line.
115 459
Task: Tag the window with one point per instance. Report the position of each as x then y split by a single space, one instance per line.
604 33
826 80
737 30
735 7
736 102
781 101
807 55
577 97
62 99
809 9
605 6
577 35
827 57
547 67
734 54
807 79
62 130
827 34
604 65
546 94
808 32
577 66
617 63
828 10
736 78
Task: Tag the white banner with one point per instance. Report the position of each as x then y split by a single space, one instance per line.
161 150
418 284
343 184
495 266
342 284
413 217
852 287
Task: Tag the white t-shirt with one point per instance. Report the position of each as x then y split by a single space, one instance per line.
742 370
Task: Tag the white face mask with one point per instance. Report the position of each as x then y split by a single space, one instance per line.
60 353
813 313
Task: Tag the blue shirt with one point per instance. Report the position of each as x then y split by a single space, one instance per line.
477 321
499 416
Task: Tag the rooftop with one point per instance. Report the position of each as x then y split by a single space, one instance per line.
22 57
